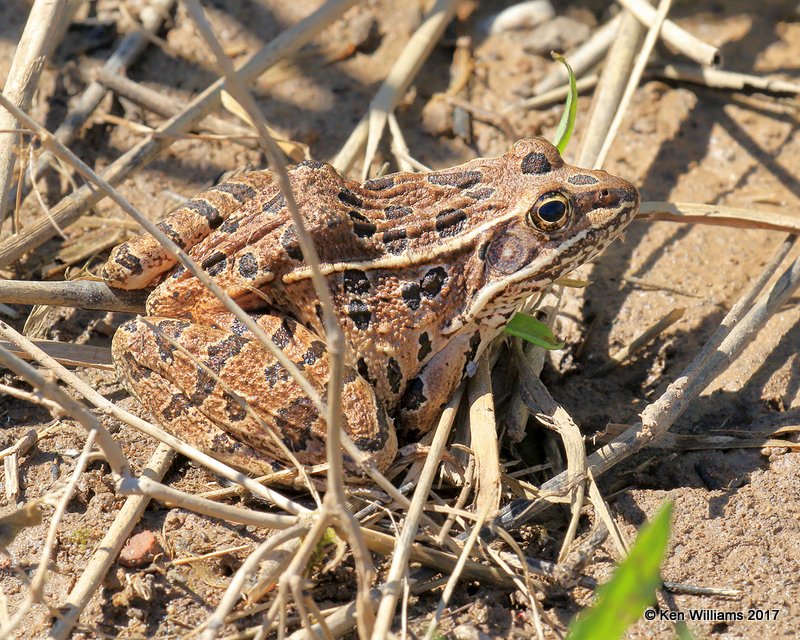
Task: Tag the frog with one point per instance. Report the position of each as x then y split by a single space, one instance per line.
424 269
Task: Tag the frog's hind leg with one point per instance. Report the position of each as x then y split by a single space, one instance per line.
173 409
177 386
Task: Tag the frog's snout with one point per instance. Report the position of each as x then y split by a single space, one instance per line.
617 196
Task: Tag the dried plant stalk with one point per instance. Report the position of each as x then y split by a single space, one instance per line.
33 48
83 294
676 37
616 71
633 80
647 336
483 438
714 214
720 79
399 566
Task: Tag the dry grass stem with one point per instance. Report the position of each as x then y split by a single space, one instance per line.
169 496
402 155
484 510
553 96
497 119
370 128
34 397
68 354
440 560
633 81
719 79
167 107
483 438
82 294
272 567
108 548
339 622
603 513
461 500
642 340
524 584
516 417
677 38
232 594
208 556
714 214
74 205
692 590
616 71
581 59
399 567
39 199
33 48
550 414
130 47
295 151
683 442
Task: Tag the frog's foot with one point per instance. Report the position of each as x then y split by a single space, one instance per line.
175 383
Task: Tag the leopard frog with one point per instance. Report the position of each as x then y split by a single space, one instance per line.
425 269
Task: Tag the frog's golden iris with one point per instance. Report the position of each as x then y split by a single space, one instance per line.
551 212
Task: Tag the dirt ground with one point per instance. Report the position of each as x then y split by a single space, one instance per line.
736 518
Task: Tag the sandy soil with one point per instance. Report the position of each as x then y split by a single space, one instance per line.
737 510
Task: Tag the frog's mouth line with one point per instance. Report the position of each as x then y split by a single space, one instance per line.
546 268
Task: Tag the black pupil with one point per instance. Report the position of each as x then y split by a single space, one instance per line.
552 211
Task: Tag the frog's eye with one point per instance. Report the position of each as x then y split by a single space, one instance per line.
551 211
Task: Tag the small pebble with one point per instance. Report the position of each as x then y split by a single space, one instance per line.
140 550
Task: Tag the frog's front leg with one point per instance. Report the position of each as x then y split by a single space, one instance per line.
177 387
428 393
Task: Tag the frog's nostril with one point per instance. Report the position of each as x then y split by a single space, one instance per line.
605 198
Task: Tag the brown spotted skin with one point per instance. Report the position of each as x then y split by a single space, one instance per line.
192 402
425 270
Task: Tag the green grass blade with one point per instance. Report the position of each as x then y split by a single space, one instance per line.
567 123
631 590
529 328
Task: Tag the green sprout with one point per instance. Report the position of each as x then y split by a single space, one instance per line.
631 590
